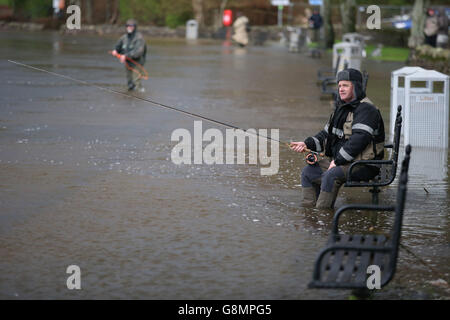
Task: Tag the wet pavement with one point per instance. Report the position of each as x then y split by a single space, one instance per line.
87 178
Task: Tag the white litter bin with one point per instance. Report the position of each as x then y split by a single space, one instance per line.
294 38
398 94
191 29
350 53
426 109
354 38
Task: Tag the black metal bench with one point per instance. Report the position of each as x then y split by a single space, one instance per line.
344 262
327 73
388 168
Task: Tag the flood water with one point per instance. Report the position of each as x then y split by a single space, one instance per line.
87 177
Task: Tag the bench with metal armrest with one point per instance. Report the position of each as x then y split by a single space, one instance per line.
388 168
344 262
328 73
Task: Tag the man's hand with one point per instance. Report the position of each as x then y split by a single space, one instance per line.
332 165
298 146
114 53
123 58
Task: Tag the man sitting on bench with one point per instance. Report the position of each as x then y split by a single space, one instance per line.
355 131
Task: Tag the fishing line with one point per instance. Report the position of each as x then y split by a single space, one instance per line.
191 114
422 261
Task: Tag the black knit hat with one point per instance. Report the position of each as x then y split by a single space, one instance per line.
352 75
131 22
356 78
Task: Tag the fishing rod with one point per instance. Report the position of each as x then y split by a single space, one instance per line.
191 114
311 158
139 69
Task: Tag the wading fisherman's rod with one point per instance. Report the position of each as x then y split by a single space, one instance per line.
138 69
191 114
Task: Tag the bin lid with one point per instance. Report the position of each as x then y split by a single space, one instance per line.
353 35
345 44
406 70
427 75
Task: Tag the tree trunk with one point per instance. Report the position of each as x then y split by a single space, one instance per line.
348 14
88 10
223 4
328 25
115 11
418 23
107 10
197 6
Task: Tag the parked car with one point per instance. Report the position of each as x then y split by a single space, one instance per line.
405 22
402 22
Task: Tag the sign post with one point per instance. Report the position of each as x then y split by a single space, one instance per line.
280 4
280 16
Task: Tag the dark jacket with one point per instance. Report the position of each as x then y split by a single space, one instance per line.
133 46
442 22
316 20
367 127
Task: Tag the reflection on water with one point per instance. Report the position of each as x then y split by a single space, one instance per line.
430 164
87 178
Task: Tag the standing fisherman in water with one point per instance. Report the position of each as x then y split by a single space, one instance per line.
132 46
355 131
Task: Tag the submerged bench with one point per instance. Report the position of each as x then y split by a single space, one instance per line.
388 168
344 262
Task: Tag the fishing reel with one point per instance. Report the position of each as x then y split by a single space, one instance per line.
312 157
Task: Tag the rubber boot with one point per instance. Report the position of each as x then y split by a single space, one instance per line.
130 82
326 199
309 197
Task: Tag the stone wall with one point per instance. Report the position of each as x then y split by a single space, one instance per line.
258 33
25 26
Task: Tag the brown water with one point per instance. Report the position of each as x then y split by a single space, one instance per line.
86 178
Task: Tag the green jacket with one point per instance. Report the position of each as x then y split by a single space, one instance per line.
133 46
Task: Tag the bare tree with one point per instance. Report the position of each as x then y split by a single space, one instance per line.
107 10
418 22
223 4
88 6
197 6
327 24
348 14
115 12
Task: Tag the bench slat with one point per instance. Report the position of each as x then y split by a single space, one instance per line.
365 258
348 272
382 259
336 264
